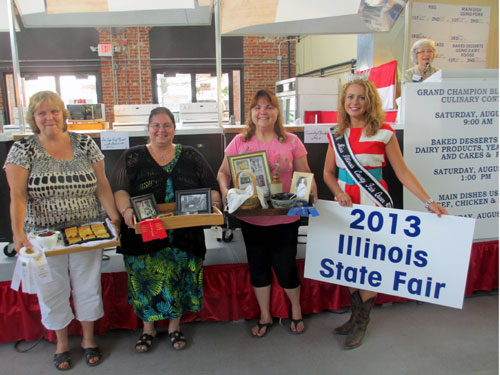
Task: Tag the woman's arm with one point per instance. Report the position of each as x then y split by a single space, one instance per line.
331 181
407 178
105 195
216 199
122 201
301 165
17 177
224 178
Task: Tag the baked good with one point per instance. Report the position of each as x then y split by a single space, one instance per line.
99 229
85 231
73 240
71 232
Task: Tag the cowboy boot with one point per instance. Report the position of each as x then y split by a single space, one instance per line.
345 328
355 337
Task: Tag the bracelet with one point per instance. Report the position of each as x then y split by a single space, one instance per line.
428 203
125 209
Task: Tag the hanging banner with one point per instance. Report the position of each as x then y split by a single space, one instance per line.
410 254
451 144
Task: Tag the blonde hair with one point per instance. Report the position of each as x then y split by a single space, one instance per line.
279 129
36 102
374 116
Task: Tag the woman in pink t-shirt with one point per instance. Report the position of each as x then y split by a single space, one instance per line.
270 241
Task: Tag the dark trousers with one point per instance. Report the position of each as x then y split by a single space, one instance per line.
272 247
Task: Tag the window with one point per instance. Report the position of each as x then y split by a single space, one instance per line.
173 89
71 88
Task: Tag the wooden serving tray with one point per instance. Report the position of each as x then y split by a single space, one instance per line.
78 249
171 221
261 212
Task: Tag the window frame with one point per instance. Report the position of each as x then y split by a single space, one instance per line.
193 72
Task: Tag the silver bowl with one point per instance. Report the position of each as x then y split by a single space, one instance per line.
283 200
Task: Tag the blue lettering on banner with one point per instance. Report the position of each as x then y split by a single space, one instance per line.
415 285
350 274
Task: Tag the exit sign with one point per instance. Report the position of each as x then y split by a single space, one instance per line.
105 49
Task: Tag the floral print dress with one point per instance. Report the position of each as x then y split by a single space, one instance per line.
168 282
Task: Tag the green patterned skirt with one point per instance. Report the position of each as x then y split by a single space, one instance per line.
164 284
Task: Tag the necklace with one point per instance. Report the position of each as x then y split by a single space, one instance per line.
162 157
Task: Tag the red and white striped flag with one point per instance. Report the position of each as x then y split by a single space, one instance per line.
384 78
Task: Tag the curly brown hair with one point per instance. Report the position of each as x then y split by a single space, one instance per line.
374 116
279 128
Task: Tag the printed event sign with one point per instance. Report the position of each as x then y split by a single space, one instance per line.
410 254
114 140
451 144
460 32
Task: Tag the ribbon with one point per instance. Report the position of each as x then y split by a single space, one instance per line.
31 269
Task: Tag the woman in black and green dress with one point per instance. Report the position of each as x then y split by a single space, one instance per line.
165 276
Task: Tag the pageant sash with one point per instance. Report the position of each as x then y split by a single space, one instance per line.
358 173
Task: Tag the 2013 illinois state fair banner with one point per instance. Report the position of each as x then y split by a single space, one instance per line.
411 254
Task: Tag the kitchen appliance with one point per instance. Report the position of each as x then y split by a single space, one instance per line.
199 113
86 112
132 116
300 94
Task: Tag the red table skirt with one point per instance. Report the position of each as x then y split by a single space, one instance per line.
228 296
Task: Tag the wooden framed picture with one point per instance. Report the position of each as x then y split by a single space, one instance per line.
193 201
144 207
301 185
254 162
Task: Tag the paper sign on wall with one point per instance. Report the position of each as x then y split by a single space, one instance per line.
114 140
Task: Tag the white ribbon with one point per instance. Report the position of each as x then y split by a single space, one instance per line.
31 269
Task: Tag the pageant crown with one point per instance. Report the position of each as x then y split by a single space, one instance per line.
357 76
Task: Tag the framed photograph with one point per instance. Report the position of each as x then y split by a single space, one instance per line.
144 207
301 185
194 201
254 162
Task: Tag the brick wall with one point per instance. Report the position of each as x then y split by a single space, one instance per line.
126 78
126 84
261 69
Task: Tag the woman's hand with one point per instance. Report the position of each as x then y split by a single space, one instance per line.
116 221
128 217
21 241
437 209
344 199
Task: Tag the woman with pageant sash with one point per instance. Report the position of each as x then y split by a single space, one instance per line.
361 124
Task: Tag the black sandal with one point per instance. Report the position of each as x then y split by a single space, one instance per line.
267 326
92 353
145 340
61 358
176 337
296 322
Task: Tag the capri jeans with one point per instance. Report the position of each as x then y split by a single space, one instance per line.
78 274
272 247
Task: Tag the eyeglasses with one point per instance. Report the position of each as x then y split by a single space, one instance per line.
157 126
425 51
